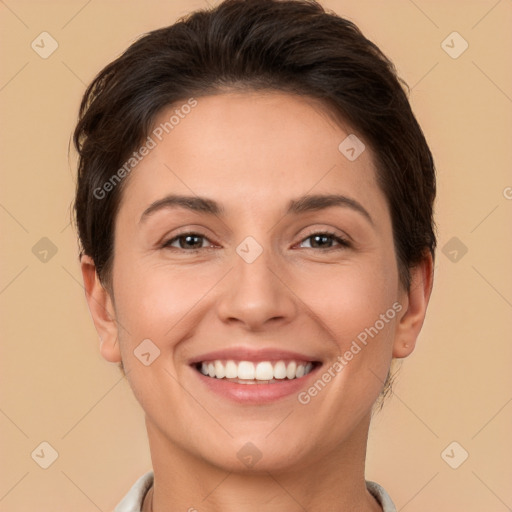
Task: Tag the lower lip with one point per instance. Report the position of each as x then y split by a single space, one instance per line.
256 393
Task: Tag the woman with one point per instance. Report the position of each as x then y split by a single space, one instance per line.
254 207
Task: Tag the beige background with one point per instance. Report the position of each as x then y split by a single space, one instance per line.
456 386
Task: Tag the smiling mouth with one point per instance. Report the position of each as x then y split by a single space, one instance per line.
262 372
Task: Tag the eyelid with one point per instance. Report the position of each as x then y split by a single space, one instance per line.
319 228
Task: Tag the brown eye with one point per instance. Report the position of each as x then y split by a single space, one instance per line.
325 240
187 241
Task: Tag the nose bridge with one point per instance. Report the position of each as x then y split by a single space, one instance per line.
255 292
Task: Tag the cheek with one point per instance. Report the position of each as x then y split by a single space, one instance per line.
156 302
347 299
357 308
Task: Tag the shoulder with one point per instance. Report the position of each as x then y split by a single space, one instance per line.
381 496
132 502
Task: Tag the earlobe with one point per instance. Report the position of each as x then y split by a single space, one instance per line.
411 322
102 311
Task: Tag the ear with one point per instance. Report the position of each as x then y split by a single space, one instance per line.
102 311
415 304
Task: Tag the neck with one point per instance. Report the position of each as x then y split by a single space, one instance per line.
328 481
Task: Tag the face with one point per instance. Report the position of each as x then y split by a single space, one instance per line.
252 279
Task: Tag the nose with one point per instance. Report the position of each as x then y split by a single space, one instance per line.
256 294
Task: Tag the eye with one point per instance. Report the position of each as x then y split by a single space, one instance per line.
323 240
193 242
190 242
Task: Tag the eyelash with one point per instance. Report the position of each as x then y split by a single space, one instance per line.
344 243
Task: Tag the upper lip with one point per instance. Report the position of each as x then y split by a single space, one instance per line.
251 354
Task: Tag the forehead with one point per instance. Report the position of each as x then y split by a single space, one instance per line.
254 150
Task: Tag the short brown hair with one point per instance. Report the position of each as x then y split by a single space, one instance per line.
288 45
294 46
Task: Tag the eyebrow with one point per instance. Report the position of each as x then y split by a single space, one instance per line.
297 206
193 203
320 202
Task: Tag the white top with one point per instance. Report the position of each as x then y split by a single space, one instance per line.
132 502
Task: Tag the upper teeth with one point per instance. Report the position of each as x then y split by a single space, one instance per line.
263 370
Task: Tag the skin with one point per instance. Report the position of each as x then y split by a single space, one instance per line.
253 152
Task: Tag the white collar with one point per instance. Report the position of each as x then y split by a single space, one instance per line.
132 502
